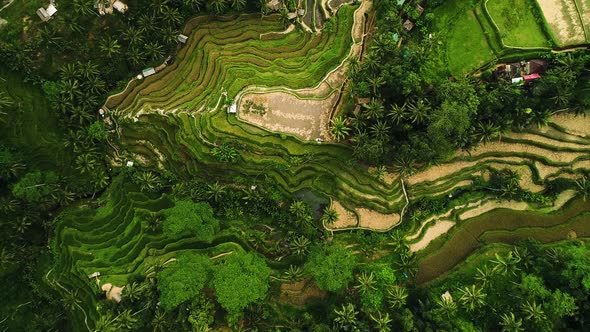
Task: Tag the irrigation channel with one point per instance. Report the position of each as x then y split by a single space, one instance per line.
505 226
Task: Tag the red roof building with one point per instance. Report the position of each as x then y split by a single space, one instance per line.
531 77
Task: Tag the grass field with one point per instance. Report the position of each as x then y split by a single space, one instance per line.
517 22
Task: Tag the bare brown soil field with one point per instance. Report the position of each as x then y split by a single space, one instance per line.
433 232
286 113
377 221
563 20
346 218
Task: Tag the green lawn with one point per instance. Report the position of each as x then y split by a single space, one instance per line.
517 23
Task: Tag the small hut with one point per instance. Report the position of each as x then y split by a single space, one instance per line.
46 14
408 25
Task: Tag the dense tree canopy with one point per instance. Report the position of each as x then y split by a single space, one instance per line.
240 279
331 266
188 218
183 279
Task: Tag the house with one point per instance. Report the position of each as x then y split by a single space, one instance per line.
148 71
106 6
292 16
47 14
537 66
517 80
363 101
94 275
233 109
408 25
531 77
419 9
182 38
401 2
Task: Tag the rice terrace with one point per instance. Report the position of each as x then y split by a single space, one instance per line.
295 165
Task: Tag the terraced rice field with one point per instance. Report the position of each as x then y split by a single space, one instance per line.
224 57
113 241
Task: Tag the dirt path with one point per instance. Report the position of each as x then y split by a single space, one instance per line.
433 232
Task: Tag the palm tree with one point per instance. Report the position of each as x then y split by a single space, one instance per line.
132 292
169 35
71 300
486 131
83 7
6 257
193 4
133 35
382 321
583 187
154 50
171 16
86 163
376 82
447 305
147 23
135 56
472 297
126 320
109 46
330 216
398 113
154 221
299 209
419 111
380 129
407 264
509 323
505 265
218 6
69 72
396 297
88 69
374 109
366 282
22 224
533 312
238 5
95 85
148 181
484 275
541 118
294 273
159 5
300 245
339 129
159 321
404 166
398 240
104 323
346 317
215 191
